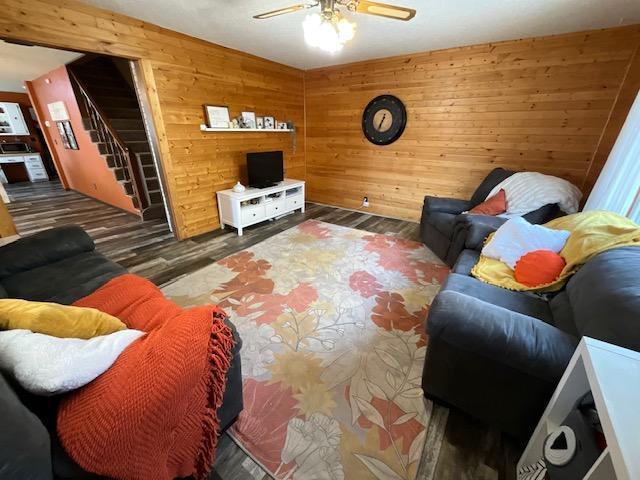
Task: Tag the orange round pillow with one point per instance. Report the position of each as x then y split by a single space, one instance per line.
539 268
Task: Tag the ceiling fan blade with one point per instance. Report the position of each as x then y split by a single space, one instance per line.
385 10
282 11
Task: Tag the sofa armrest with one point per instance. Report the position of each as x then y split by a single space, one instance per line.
43 248
445 205
544 214
478 228
522 342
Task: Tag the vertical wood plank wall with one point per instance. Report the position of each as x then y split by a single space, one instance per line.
183 73
536 104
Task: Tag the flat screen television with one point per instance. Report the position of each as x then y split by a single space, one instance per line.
265 169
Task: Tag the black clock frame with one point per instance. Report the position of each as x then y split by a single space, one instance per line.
397 109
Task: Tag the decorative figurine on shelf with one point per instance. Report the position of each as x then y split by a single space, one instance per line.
239 188
234 123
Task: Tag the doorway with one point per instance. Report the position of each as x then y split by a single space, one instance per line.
95 137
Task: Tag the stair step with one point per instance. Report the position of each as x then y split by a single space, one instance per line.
155 210
118 172
139 146
127 186
127 123
109 90
155 196
145 159
93 134
149 171
133 135
152 183
120 101
116 112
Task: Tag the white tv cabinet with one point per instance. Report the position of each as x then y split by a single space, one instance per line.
256 205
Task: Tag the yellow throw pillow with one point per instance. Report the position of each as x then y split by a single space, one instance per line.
57 320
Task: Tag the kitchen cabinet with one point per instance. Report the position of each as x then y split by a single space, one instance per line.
11 120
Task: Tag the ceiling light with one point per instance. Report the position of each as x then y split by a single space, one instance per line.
329 35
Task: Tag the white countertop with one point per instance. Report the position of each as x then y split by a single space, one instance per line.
253 192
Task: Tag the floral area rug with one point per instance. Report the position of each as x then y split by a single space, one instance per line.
331 320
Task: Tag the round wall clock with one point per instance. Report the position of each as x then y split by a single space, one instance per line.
384 119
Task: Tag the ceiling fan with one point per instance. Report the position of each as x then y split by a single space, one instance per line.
329 29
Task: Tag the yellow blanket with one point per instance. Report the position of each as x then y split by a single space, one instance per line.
591 233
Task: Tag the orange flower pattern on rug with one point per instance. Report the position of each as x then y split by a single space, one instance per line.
332 323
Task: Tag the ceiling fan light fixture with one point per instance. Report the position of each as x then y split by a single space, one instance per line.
328 35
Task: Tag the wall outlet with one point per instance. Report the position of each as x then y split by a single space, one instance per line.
365 201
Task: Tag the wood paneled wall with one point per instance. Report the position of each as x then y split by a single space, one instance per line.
182 74
536 104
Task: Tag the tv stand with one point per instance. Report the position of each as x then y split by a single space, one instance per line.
256 205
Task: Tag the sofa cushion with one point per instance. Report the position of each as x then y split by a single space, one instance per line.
467 259
491 206
443 222
605 297
24 441
64 281
43 248
515 301
496 176
563 314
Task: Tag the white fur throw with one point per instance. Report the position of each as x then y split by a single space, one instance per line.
517 237
528 191
47 365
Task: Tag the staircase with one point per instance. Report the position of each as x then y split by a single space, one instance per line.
112 117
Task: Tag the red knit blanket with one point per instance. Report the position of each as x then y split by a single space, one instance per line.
152 415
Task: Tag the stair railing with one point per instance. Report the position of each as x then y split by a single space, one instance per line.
123 157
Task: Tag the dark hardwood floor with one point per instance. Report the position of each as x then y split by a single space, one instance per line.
462 449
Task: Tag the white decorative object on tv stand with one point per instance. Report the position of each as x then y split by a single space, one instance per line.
235 208
612 375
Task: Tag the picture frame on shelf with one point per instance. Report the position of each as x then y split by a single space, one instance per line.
269 123
249 119
217 116
281 125
260 122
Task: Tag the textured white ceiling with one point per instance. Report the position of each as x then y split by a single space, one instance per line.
438 24
19 63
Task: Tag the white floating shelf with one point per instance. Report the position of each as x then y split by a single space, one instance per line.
277 130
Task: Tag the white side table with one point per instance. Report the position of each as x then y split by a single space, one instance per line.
612 374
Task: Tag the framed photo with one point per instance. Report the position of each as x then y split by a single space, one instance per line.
260 122
217 116
63 135
249 119
269 123
71 138
281 125
66 135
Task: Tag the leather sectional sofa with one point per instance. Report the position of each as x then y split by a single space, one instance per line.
61 265
447 231
498 354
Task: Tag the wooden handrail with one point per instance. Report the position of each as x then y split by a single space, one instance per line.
116 147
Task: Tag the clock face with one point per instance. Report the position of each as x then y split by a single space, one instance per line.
384 119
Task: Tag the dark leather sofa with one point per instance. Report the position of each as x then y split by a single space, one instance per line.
61 265
498 354
447 231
